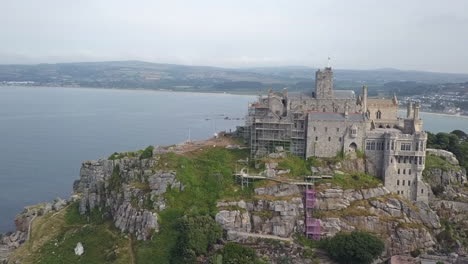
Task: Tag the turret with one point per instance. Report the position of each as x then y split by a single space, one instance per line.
409 110
364 99
395 99
416 111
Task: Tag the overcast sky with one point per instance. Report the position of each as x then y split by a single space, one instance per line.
357 34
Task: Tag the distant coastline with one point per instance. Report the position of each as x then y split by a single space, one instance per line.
193 91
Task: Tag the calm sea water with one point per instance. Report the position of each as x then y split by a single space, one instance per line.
45 133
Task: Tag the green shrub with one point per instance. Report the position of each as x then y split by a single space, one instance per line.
234 253
147 153
415 253
198 233
354 248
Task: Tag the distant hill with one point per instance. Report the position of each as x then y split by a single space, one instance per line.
139 74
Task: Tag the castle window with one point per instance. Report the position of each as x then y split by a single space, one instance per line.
409 171
398 171
406 146
420 160
329 138
397 182
339 139
391 160
422 190
417 146
409 183
405 159
404 171
326 129
316 138
315 129
379 115
337 129
393 145
401 192
403 183
372 146
368 145
388 145
324 110
399 159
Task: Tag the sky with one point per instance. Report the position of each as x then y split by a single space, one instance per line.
429 35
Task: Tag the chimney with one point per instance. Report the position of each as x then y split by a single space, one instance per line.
409 109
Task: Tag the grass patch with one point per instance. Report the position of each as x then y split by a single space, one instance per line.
437 162
207 177
55 236
142 186
353 181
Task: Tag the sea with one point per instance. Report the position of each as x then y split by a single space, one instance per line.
46 133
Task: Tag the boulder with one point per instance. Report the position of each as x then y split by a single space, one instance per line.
79 250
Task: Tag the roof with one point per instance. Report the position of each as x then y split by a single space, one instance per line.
344 94
336 116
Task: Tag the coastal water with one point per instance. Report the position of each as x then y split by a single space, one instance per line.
45 133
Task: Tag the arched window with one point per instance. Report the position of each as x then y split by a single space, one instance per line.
379 115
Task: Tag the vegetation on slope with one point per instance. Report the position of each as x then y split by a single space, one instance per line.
207 176
455 142
354 248
55 235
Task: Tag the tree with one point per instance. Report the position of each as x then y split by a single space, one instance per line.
354 248
460 134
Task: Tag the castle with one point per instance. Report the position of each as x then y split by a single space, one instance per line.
329 122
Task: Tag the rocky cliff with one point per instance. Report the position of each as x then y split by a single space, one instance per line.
128 189
279 211
133 191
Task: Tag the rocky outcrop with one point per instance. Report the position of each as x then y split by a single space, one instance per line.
129 189
403 226
279 211
447 155
337 198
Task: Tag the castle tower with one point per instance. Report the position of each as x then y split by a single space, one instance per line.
324 84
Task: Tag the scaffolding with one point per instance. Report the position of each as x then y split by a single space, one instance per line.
267 133
312 225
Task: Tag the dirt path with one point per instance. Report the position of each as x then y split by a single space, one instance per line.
132 254
264 236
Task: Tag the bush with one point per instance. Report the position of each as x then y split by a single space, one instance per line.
354 248
234 253
198 233
147 153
